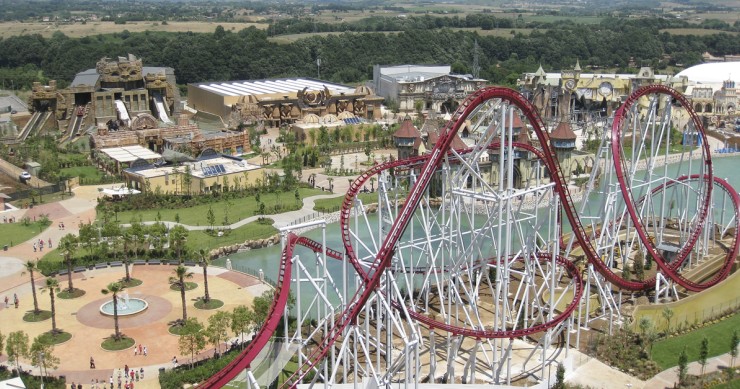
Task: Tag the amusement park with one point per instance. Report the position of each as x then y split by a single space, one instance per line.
573 232
470 271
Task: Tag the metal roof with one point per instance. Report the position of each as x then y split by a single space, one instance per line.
260 87
130 153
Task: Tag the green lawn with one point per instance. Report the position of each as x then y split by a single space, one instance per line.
199 239
250 231
666 352
238 210
12 234
332 204
87 172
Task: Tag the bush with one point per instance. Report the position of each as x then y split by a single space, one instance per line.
177 378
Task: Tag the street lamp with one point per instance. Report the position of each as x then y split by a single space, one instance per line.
41 368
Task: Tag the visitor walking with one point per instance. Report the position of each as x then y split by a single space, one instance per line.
145 351
15 300
6 301
141 371
125 370
92 363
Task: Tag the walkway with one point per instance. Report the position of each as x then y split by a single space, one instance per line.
592 373
81 317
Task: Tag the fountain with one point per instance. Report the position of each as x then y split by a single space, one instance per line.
126 306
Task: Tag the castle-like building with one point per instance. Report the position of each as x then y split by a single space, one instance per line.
113 94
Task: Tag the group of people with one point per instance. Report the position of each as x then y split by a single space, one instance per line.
140 350
40 245
15 301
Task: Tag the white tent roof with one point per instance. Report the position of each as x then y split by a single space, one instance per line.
13 383
714 72
130 153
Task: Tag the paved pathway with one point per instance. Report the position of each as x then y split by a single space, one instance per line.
81 316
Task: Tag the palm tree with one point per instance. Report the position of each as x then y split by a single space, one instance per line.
181 273
68 246
205 260
128 240
30 268
115 288
52 285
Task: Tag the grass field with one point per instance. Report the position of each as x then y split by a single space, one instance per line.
89 172
12 234
501 32
254 230
238 210
695 31
200 239
78 30
665 353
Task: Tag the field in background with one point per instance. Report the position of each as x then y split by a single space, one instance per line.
78 30
695 31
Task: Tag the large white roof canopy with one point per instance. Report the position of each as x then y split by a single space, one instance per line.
130 153
713 73
240 88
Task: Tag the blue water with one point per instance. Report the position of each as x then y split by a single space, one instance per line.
267 259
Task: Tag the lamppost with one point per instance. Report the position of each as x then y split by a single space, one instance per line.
41 368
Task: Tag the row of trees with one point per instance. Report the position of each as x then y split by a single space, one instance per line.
40 352
349 57
194 335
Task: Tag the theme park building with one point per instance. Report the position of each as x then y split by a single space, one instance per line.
113 94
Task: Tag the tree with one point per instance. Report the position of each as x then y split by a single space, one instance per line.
2 343
242 321
733 347
138 235
114 288
261 306
218 324
52 285
647 334
30 268
42 355
205 260
88 237
181 273
178 236
667 315
17 347
683 367
210 217
559 377
68 247
703 353
128 240
192 339
639 267
187 179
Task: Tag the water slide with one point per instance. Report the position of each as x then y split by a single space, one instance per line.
161 109
37 121
123 112
76 121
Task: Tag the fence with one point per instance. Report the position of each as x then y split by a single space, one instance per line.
42 190
255 273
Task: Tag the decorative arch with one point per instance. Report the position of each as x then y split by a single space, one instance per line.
143 121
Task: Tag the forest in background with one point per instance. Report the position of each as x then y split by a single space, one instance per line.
348 57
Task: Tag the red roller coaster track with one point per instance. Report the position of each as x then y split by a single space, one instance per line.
429 165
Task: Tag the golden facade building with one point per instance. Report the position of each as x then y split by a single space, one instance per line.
284 101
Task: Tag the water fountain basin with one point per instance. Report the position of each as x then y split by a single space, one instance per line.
130 306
